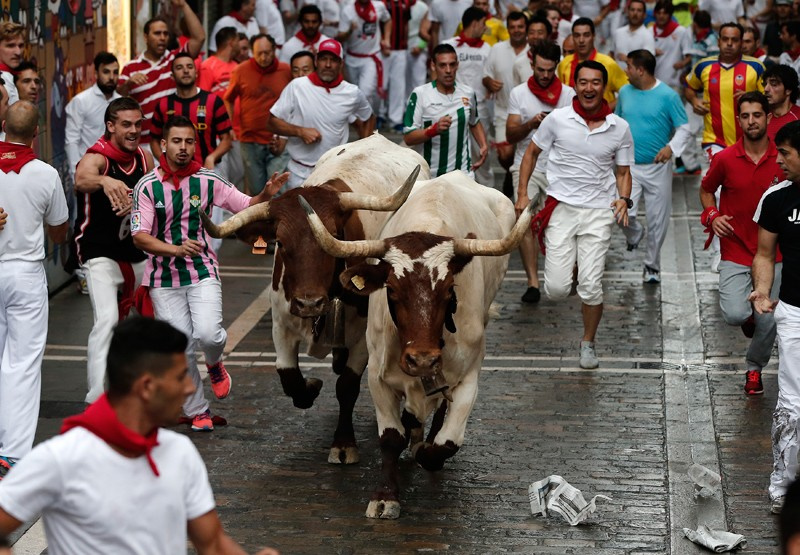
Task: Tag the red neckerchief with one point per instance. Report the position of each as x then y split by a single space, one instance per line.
14 156
463 39
550 95
793 54
702 34
575 63
758 53
666 31
366 11
540 221
109 150
314 78
308 43
100 419
190 169
4 67
265 70
597 116
238 17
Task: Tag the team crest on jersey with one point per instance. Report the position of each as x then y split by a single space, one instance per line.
170 112
714 81
201 111
194 201
739 79
136 221
465 100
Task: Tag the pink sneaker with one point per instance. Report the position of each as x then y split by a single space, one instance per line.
202 422
220 380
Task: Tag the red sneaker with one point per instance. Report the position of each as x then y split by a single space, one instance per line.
202 422
220 380
753 385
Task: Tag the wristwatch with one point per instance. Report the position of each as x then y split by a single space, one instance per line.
628 202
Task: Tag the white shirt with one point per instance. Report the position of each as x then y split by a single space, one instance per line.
418 11
524 104
500 66
626 41
94 500
251 29
31 198
470 66
672 52
85 122
723 11
448 14
785 59
11 88
580 166
521 71
307 105
588 8
366 38
269 17
295 45
565 29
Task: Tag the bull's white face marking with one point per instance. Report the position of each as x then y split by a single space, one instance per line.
435 259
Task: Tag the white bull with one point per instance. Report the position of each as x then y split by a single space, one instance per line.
426 332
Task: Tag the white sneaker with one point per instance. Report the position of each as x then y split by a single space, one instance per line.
776 505
588 356
650 275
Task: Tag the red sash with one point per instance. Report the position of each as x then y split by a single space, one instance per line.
378 66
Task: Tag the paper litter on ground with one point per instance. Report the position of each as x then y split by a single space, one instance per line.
555 494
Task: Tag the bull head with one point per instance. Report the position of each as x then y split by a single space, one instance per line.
306 273
417 269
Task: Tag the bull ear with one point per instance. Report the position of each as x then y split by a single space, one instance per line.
364 279
460 261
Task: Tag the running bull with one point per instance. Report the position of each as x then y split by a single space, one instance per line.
426 331
354 189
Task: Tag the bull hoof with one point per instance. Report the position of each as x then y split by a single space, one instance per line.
383 509
343 455
431 457
306 399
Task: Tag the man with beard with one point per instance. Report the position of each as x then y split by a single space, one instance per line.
33 196
781 87
743 172
308 37
528 106
27 82
113 266
86 111
660 130
12 45
585 141
182 273
315 112
258 83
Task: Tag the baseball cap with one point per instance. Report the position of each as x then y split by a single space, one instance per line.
783 2
333 46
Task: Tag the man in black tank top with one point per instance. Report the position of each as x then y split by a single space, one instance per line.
104 182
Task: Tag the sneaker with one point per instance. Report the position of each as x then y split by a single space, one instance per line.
83 287
630 247
220 380
752 384
202 422
532 295
651 275
749 327
6 463
588 356
776 505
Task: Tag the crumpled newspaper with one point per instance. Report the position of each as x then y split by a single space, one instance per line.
554 493
715 540
707 483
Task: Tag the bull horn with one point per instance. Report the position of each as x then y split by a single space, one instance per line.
373 248
358 201
496 247
250 214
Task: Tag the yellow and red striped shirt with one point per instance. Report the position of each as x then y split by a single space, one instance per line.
720 83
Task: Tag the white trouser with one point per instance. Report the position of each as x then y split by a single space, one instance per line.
23 336
394 75
363 73
416 72
693 155
298 173
104 280
785 442
537 186
580 235
196 310
654 182
483 175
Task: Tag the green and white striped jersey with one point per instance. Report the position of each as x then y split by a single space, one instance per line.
447 151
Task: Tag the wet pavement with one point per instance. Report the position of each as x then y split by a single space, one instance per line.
668 393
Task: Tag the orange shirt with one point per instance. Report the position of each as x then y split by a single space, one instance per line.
216 78
258 91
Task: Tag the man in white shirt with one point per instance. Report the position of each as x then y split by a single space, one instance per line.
33 196
586 142
528 106
539 30
444 16
241 18
315 112
634 35
12 46
365 28
85 123
269 20
670 42
308 37
723 11
132 486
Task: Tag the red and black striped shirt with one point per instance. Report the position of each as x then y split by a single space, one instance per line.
205 110
400 10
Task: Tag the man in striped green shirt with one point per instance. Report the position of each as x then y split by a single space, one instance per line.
440 114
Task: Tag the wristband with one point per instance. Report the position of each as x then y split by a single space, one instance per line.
432 131
709 215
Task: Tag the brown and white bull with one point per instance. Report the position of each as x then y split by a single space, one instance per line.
354 189
426 331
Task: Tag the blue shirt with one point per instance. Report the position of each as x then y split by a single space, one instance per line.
653 115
